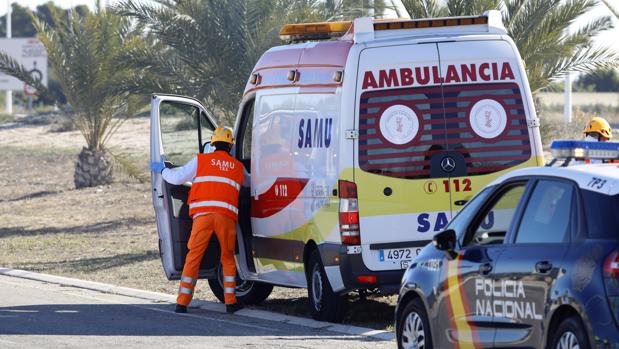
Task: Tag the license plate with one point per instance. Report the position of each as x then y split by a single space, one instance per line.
397 254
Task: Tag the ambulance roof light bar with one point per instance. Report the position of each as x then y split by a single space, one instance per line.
365 27
582 150
492 20
314 31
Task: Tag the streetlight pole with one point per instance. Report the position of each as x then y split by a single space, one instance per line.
567 90
8 93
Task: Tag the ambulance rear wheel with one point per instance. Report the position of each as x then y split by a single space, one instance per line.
247 292
413 327
570 335
325 304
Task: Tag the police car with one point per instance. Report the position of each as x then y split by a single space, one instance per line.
531 261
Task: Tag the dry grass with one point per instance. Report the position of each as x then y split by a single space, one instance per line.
581 98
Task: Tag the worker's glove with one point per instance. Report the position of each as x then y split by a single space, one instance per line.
157 166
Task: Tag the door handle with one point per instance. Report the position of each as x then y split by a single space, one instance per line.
543 267
485 268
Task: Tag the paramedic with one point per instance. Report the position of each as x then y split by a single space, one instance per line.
213 204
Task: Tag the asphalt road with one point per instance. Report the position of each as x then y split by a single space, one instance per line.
35 314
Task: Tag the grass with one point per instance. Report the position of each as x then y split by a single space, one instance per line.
6 118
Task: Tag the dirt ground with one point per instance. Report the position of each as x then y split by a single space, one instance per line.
105 234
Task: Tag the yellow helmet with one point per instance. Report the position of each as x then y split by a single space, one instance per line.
599 125
222 134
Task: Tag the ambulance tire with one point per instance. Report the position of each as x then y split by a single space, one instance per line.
413 327
247 292
325 304
570 334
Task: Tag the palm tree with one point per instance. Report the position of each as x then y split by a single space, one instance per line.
611 8
85 52
206 48
539 29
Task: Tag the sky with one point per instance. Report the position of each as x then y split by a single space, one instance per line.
608 38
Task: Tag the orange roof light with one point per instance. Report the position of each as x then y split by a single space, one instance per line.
314 31
426 23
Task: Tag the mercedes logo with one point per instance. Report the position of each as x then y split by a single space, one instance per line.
448 164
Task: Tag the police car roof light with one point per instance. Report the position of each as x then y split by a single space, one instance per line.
570 149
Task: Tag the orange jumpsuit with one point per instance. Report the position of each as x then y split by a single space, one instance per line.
213 204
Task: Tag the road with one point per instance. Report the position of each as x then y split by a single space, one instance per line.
35 314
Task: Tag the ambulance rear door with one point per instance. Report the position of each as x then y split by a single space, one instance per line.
401 130
486 113
180 127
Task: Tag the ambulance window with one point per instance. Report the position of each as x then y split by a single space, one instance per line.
487 124
497 219
548 215
388 143
401 129
206 128
179 131
246 127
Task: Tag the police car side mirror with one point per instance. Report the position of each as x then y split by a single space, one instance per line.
445 241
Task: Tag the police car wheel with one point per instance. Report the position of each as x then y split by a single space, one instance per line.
325 305
247 292
413 331
570 335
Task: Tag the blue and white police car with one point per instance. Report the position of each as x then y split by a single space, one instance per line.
532 261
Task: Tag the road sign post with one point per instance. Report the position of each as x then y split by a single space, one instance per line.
30 53
8 105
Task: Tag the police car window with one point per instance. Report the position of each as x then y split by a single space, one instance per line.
601 215
179 131
492 229
547 217
462 219
401 129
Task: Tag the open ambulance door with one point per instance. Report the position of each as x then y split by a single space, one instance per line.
180 127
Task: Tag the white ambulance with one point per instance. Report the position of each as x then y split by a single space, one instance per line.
363 139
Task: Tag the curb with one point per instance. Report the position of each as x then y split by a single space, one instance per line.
206 305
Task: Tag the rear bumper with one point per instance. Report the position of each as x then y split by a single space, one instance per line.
352 266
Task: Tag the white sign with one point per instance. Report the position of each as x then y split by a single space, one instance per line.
30 53
488 118
399 124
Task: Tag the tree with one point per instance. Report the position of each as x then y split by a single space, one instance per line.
538 27
602 80
207 48
85 51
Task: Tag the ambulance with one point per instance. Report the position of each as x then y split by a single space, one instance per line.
362 139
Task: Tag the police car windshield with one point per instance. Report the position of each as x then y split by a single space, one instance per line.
601 214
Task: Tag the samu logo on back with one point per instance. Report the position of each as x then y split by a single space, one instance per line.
316 134
223 165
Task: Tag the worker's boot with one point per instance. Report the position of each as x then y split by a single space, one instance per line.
181 309
233 308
